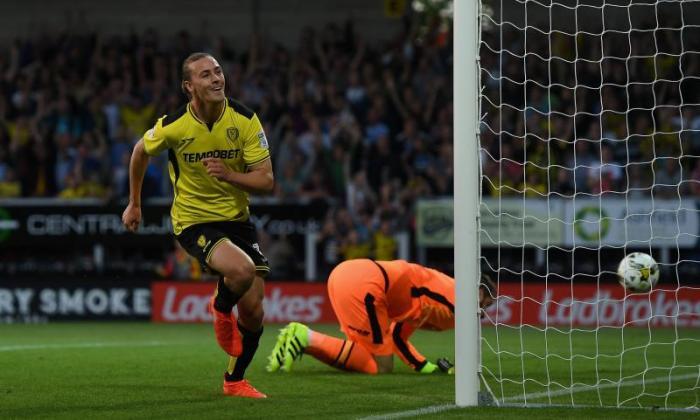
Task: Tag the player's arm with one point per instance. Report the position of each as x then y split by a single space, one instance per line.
137 170
257 180
400 332
153 142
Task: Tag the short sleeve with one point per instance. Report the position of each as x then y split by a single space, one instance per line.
255 147
155 140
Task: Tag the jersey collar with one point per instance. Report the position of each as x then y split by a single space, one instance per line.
223 111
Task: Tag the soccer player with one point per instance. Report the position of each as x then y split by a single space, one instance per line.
379 304
218 154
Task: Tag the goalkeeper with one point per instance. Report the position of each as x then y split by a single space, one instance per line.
379 304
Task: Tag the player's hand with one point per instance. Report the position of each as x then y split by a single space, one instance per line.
429 367
131 218
443 366
217 168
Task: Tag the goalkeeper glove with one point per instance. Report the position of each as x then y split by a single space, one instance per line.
429 367
446 366
443 366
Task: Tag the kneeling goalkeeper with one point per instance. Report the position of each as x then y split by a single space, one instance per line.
379 304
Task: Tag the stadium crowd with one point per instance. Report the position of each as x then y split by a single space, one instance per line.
592 114
363 129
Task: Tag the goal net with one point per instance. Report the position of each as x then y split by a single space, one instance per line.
590 150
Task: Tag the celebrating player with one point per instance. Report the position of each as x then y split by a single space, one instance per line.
218 154
379 304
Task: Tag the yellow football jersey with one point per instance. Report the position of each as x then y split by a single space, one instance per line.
237 137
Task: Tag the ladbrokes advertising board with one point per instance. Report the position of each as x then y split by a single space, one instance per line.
36 301
592 306
284 302
586 305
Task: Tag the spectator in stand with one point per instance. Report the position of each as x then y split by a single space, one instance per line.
606 175
337 168
9 186
694 180
563 185
282 257
72 188
179 265
360 196
385 245
511 171
315 188
640 181
354 247
583 159
534 186
137 116
328 245
405 138
667 179
382 165
290 182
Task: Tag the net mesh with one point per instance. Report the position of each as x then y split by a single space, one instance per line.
590 150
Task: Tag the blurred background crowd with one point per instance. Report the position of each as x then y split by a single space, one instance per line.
593 114
72 106
362 130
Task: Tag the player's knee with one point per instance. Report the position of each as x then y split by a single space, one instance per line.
384 369
240 276
385 364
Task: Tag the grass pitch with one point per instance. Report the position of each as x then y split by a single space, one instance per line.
143 370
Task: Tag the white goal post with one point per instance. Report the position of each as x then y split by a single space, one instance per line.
577 142
466 200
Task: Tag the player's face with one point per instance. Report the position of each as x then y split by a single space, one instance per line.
207 80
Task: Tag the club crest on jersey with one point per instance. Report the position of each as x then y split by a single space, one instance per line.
232 133
262 139
201 241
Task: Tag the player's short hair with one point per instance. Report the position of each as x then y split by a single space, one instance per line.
186 72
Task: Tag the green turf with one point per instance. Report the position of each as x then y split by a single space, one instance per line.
142 370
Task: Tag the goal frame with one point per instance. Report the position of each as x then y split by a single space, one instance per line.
466 32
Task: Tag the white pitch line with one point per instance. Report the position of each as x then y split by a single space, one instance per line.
590 388
20 347
412 413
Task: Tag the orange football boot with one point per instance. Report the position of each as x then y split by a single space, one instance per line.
242 388
226 331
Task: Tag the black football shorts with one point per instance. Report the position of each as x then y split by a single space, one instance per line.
199 240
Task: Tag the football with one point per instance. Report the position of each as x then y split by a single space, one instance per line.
638 272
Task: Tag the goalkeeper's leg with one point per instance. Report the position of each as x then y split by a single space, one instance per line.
342 354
